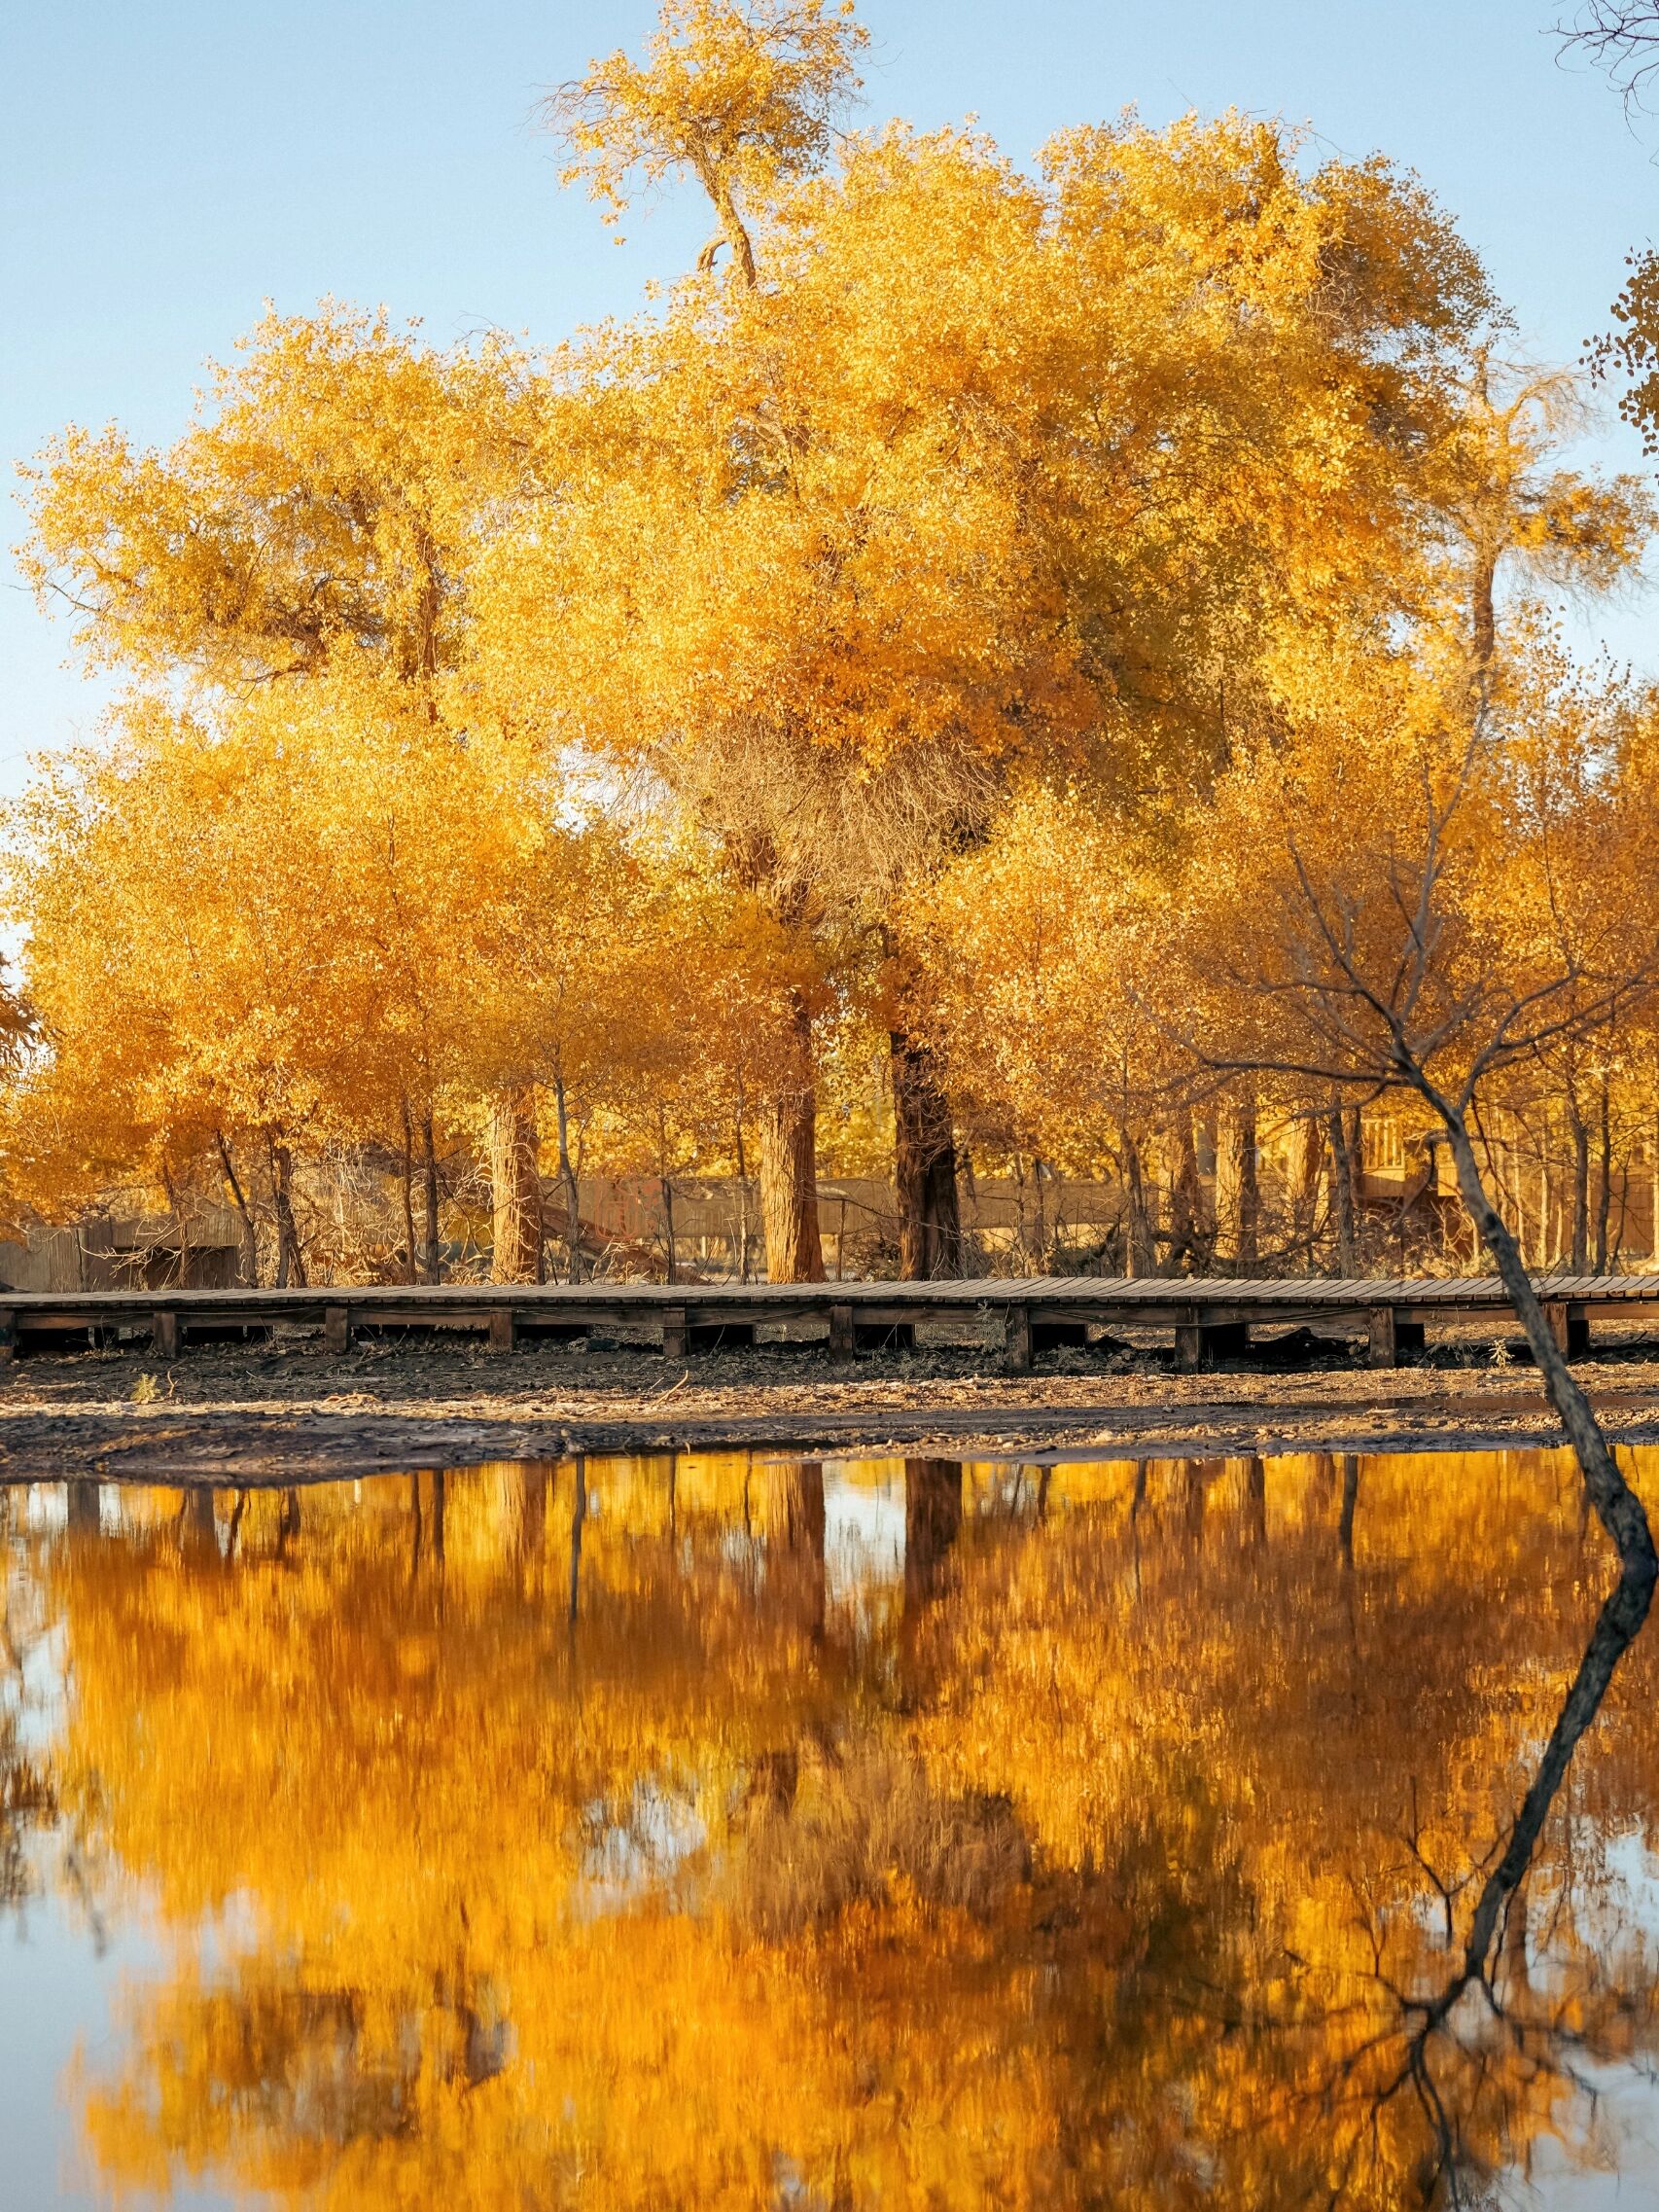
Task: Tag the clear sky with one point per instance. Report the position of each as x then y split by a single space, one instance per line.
165 167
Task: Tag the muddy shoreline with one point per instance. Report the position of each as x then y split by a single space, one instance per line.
239 1418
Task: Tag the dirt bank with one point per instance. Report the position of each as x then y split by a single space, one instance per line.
293 1413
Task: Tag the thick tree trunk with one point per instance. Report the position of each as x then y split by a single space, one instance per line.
1238 1192
788 1122
1140 1244
1342 1190
1188 1230
515 1188
924 1160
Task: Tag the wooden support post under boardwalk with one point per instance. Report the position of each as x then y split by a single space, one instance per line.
674 1332
1390 1338
502 1331
8 1336
842 1345
1017 1338
336 1329
1199 1345
165 1333
1570 1326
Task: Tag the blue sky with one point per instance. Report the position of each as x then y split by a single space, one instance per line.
165 167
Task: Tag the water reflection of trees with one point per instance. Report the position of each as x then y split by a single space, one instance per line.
1151 1841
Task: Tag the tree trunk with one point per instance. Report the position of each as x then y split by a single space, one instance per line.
568 1184
249 1263
1238 1191
290 1260
666 1182
429 1178
1580 1189
1605 1197
1140 1247
930 1216
1342 1184
1615 1502
515 1190
743 1195
412 1262
1186 1199
789 1175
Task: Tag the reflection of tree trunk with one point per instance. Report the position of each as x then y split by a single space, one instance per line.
515 1189
1349 1499
200 1522
83 1507
1616 1629
804 1527
578 1516
930 1218
1255 1500
1198 1473
530 1522
788 1120
439 1497
932 1522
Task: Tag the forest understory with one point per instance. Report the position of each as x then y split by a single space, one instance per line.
289 1413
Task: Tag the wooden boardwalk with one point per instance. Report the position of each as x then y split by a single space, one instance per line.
1209 1320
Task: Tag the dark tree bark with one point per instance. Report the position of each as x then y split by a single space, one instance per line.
788 1120
1343 1187
515 1190
932 1522
250 1252
411 1259
1140 1244
930 1216
290 1260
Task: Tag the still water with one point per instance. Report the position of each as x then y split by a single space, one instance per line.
735 1831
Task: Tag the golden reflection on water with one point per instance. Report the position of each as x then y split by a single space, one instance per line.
731 1833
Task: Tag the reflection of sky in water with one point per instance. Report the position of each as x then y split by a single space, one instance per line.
863 1537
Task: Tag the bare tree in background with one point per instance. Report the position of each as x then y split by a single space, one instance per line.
1619 36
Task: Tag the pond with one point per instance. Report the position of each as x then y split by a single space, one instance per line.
737 1830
